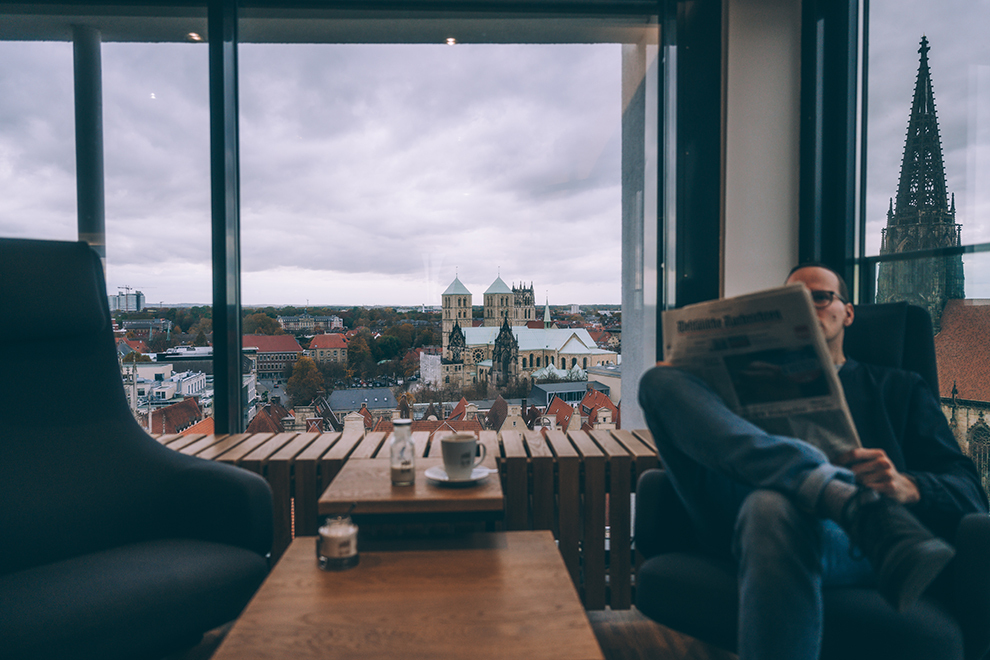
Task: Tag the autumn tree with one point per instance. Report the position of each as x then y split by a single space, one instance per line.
261 324
305 382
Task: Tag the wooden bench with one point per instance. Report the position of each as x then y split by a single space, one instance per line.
577 485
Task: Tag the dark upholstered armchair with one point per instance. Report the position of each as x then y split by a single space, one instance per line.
688 591
111 545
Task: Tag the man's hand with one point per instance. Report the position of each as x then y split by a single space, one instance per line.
874 469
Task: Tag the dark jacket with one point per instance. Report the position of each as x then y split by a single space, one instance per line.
895 411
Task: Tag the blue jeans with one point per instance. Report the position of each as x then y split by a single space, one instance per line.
754 495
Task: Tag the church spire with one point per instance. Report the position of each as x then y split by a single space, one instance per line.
920 217
921 192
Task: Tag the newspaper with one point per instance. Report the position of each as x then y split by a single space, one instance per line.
765 354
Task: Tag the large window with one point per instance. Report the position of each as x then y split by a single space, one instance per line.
927 225
380 157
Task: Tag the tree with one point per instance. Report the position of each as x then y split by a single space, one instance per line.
333 373
134 356
204 325
261 324
305 382
387 347
200 339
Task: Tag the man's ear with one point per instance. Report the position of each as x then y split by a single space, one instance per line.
850 315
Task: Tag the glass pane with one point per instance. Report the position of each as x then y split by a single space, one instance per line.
152 122
929 127
441 184
928 186
37 141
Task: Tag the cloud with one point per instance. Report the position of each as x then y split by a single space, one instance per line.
372 173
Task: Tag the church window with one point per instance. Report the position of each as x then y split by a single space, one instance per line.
537 362
585 363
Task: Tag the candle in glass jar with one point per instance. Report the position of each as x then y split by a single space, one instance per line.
336 546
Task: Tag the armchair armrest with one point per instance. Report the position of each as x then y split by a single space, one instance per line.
218 502
662 524
971 582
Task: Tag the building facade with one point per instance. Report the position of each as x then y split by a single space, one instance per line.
328 348
306 323
274 354
126 302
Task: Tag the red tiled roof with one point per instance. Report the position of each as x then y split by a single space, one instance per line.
561 410
590 404
176 417
369 419
268 419
459 410
329 340
536 325
497 413
273 343
433 426
204 426
137 345
960 348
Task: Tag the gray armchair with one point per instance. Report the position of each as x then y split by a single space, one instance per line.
113 546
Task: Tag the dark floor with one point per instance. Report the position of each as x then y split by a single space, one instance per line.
622 634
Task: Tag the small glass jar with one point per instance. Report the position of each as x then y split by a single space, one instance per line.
402 452
336 545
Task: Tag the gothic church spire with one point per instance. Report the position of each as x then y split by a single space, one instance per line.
920 217
921 191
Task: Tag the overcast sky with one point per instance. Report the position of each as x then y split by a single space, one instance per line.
373 174
959 59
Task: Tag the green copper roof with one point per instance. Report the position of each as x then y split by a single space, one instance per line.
456 289
498 286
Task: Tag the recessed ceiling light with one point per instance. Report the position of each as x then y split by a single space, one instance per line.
194 36
451 41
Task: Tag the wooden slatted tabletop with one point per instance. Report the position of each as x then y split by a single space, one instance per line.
365 485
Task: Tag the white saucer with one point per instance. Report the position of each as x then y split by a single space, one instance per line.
437 473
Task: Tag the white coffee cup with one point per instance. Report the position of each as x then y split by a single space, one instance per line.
459 451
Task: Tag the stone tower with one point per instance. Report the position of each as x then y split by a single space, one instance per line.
456 302
525 304
921 217
499 304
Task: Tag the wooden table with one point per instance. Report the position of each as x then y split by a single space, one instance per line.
501 595
365 485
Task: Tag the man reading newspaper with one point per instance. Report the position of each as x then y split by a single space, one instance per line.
796 521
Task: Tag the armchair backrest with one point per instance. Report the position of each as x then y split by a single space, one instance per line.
50 290
77 466
894 335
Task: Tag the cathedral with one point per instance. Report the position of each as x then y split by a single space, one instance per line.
921 217
509 341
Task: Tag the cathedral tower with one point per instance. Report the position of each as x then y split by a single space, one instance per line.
456 302
921 218
525 304
499 304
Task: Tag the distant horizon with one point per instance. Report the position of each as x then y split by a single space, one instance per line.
245 305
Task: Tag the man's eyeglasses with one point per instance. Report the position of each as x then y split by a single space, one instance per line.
823 299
